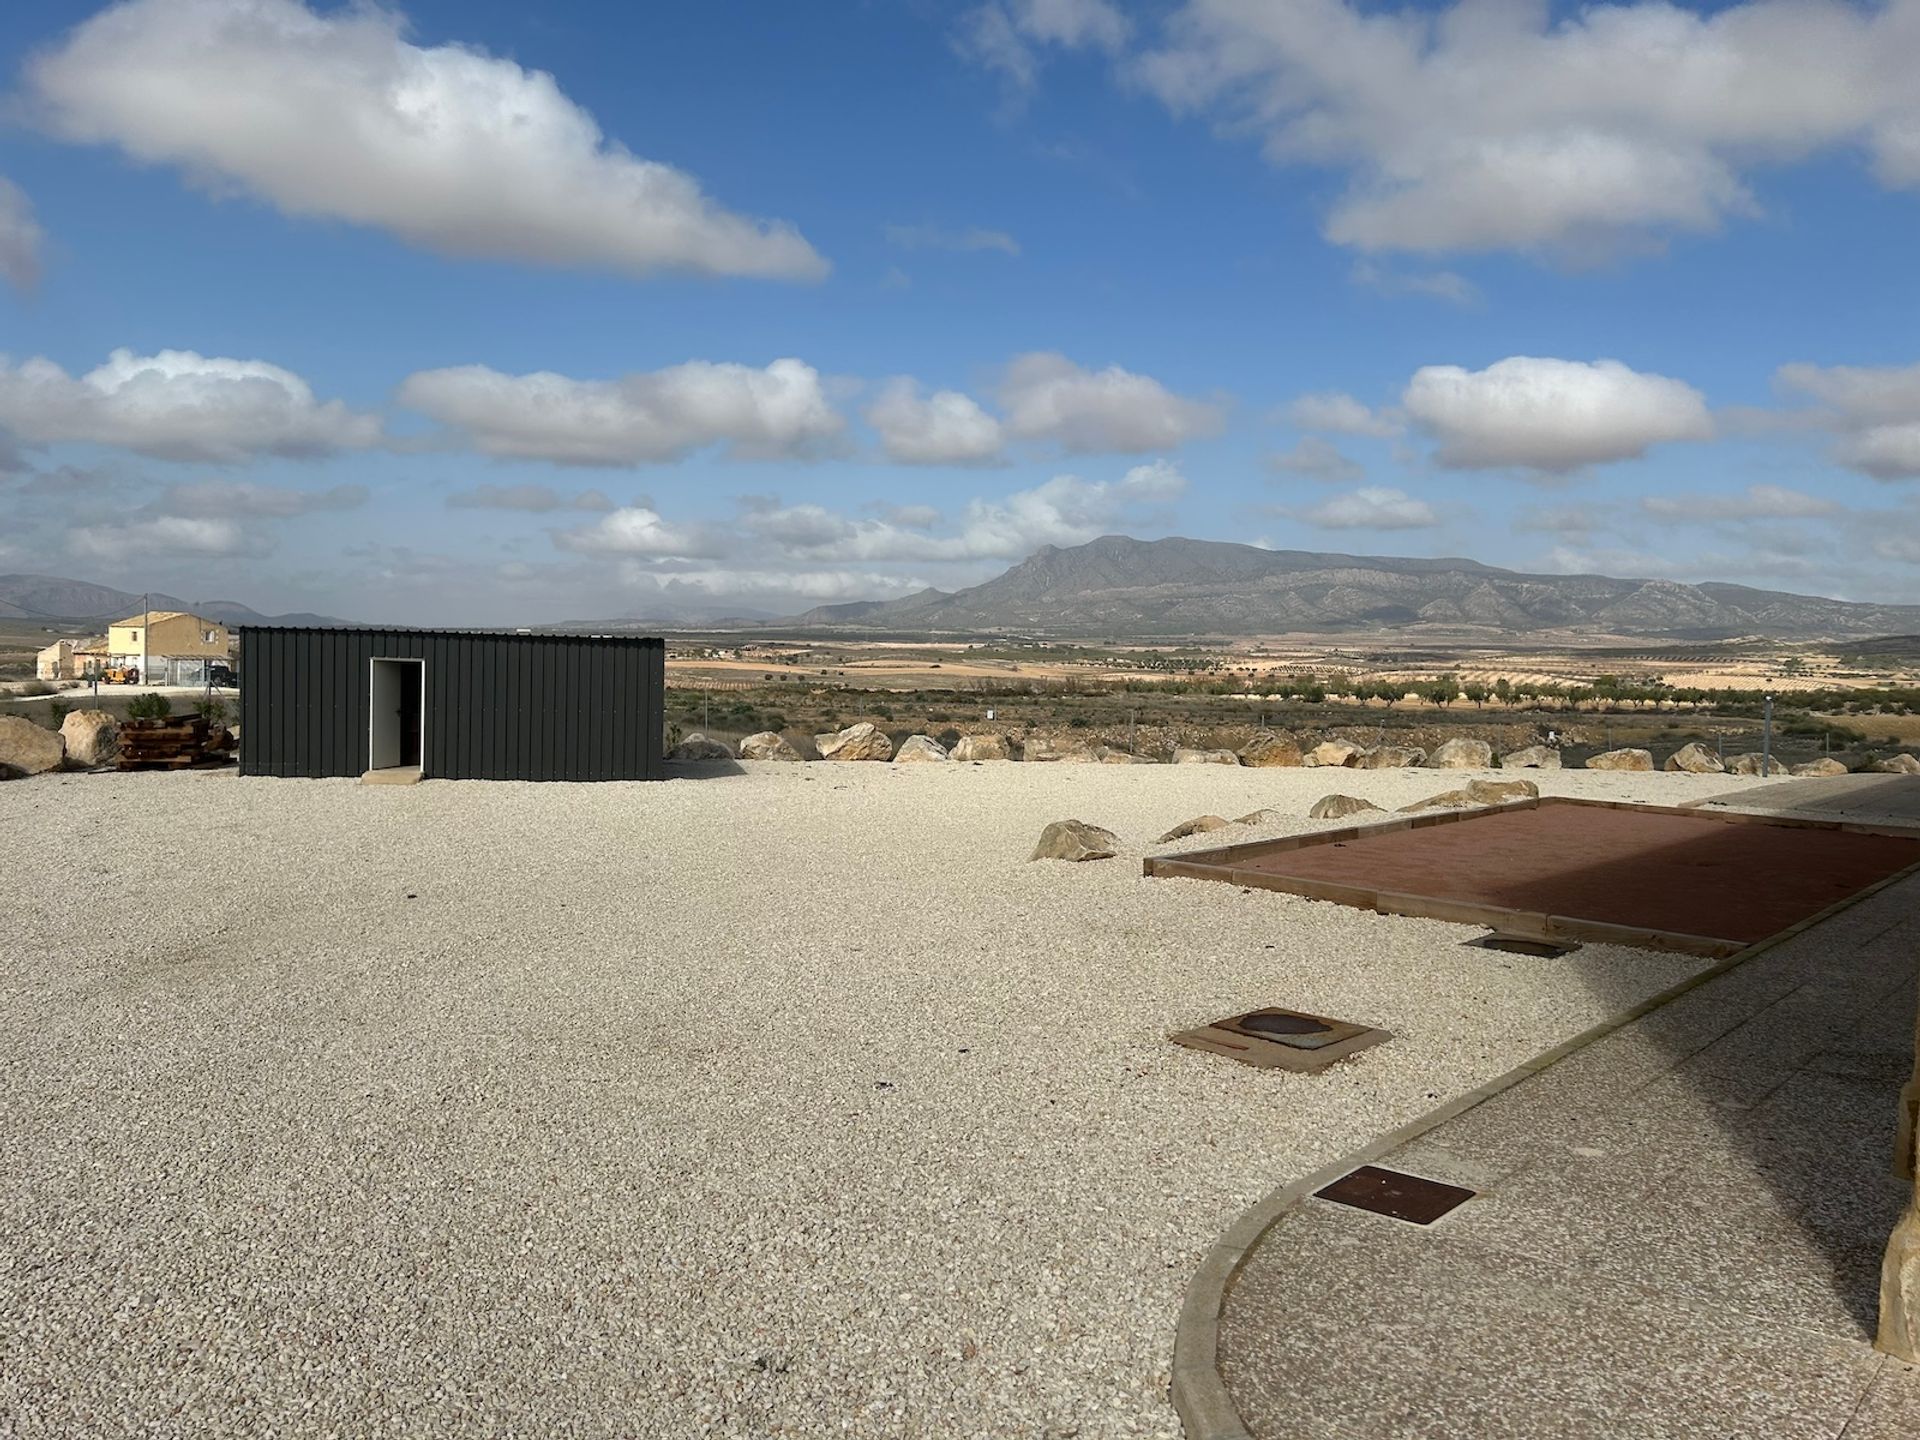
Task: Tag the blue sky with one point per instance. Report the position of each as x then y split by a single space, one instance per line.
488 313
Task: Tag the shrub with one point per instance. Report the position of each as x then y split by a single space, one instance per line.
36 687
215 712
148 707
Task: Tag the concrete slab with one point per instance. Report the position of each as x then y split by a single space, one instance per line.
1862 799
1678 1231
393 775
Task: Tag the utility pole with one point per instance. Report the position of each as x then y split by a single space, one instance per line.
1766 737
146 623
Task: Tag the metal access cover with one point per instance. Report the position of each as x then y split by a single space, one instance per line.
1522 945
1276 1039
1392 1193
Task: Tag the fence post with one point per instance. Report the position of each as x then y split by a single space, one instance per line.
1766 737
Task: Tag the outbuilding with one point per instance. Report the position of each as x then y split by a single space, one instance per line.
451 704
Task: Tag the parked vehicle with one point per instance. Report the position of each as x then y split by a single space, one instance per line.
122 675
223 677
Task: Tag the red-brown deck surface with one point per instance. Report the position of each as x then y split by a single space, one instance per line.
1650 870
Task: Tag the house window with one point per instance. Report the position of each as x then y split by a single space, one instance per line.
208 637
136 637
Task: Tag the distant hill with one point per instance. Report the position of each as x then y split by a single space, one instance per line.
1119 586
50 597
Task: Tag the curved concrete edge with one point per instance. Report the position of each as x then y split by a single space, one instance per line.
1198 1393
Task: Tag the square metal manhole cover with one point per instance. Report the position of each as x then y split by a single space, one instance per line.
1389 1192
1522 945
1277 1039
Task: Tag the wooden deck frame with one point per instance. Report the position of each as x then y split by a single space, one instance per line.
1219 865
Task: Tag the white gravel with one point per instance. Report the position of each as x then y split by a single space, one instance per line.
793 1102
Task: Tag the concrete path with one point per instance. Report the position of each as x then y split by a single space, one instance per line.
1677 1232
1857 799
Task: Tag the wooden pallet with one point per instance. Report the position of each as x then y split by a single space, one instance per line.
163 744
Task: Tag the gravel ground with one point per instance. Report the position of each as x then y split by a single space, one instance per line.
786 1102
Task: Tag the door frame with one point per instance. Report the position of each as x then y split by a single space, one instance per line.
373 662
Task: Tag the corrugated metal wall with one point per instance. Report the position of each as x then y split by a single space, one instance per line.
496 707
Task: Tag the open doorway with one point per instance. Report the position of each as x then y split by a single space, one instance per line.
395 707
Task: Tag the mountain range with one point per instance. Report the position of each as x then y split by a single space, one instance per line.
1120 587
80 602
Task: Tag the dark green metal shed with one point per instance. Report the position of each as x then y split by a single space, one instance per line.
459 704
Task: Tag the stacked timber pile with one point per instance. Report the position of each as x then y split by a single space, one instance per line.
171 744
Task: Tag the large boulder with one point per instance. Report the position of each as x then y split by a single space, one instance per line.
1695 759
768 745
1390 757
1266 816
699 747
1476 793
1272 747
857 742
981 747
1075 840
1901 764
27 748
1749 763
1462 755
1199 825
1628 759
919 748
1825 765
1108 755
1042 747
1337 753
1499 792
1533 757
92 738
1183 756
1338 807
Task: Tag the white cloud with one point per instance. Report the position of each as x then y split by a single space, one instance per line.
1316 459
178 405
1005 35
933 237
1488 126
20 237
780 412
1434 284
816 586
640 530
336 115
1372 507
1048 397
533 499
1874 410
1756 502
175 535
1551 415
230 497
945 428
1339 414
1065 510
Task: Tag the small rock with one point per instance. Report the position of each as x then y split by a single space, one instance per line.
1901 764
1462 755
1390 757
1199 825
920 748
1748 763
1267 816
1338 807
1445 800
1041 747
92 737
1334 752
1075 840
768 745
1183 756
1108 755
864 741
1628 759
982 747
699 747
1695 759
1533 757
27 748
1825 765
1272 747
